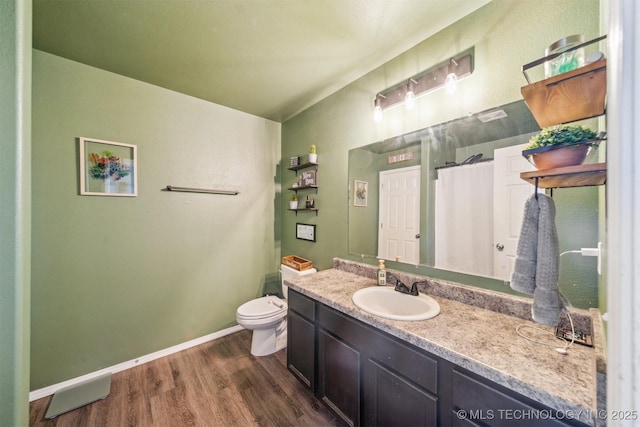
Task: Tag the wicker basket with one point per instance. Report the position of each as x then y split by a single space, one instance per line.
297 262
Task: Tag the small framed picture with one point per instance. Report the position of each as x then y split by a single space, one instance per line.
306 232
307 179
107 168
360 193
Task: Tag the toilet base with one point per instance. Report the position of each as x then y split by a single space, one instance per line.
267 341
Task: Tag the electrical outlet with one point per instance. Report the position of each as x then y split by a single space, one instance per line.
579 338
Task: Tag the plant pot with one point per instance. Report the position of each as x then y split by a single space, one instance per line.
560 156
293 204
313 158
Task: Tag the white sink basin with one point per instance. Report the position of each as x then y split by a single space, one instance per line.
390 304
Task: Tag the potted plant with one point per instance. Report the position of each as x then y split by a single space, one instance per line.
559 146
313 155
293 202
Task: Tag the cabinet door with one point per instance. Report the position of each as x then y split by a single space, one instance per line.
300 348
390 400
339 377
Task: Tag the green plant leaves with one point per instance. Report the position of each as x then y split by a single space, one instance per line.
561 135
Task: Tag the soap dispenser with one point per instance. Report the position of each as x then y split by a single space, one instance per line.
382 273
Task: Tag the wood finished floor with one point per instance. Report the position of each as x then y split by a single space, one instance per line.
218 383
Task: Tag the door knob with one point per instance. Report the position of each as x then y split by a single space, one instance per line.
500 247
417 236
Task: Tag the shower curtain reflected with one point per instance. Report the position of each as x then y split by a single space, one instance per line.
464 219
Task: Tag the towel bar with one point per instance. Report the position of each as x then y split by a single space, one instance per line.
201 190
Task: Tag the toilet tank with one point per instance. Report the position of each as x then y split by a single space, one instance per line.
287 272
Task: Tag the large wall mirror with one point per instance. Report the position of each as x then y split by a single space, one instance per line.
448 196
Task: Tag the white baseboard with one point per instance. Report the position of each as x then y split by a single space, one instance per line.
49 390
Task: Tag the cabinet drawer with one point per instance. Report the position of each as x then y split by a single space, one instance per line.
484 402
343 326
301 304
408 361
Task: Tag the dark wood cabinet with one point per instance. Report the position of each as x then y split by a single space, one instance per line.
301 357
365 376
392 400
339 377
477 400
369 377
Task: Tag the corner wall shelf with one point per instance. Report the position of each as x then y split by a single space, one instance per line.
570 96
570 176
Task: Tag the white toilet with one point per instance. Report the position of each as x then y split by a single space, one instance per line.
267 317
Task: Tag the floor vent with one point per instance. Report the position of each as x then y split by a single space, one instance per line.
73 397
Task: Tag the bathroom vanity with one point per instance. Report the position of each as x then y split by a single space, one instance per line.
465 367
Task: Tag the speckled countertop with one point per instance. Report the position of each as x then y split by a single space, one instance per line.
479 339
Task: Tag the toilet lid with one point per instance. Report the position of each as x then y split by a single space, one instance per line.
262 307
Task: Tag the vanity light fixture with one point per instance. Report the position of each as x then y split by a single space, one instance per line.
377 109
446 74
451 82
410 96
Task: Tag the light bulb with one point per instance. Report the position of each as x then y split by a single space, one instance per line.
377 114
410 96
409 100
451 83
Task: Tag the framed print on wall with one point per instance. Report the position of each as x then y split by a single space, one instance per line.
360 193
107 168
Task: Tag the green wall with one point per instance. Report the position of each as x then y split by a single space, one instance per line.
15 209
505 34
115 278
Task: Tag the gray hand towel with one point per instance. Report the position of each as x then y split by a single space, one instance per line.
537 260
523 277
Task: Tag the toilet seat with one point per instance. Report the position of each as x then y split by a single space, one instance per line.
262 308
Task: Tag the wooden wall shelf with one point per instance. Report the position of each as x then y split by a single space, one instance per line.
303 166
570 176
304 210
574 95
306 187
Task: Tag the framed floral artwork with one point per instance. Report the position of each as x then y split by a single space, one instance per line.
360 193
107 168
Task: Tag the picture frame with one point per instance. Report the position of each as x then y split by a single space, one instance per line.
306 232
107 168
360 193
307 179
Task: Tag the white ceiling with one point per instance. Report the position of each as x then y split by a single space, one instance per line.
270 58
